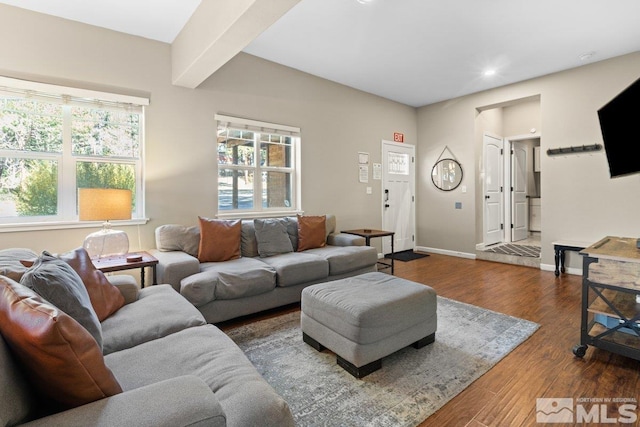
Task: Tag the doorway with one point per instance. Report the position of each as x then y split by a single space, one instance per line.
398 195
511 180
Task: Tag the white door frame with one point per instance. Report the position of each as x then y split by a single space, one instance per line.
508 145
386 246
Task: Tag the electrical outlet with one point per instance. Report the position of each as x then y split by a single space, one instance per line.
369 190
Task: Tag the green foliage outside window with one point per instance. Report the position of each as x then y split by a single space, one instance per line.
32 145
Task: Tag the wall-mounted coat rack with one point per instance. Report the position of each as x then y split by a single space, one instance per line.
574 149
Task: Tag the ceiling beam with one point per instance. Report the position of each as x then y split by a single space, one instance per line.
217 31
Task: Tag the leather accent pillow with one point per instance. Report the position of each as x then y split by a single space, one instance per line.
105 298
59 356
58 283
272 237
312 232
219 240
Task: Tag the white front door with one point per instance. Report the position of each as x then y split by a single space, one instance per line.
519 201
398 195
492 191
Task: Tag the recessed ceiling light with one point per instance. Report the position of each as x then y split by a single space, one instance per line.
364 1
488 73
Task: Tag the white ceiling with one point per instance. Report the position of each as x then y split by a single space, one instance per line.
159 20
416 52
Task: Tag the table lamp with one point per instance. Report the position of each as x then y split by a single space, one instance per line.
105 204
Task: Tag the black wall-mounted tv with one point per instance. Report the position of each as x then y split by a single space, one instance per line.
619 121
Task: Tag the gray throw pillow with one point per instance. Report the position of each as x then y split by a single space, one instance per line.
55 281
272 237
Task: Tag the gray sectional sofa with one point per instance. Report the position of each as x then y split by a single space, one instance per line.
174 369
253 283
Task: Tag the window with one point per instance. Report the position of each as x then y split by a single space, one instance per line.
54 140
258 170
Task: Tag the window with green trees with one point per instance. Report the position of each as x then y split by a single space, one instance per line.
51 144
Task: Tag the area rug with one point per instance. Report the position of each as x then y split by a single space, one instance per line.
411 385
518 250
408 255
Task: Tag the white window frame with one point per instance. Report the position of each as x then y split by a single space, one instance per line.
67 216
263 127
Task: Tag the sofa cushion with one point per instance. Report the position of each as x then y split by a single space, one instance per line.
219 240
272 236
291 222
17 398
208 353
311 232
105 298
344 259
249 243
58 283
237 278
60 358
175 237
158 312
10 265
298 267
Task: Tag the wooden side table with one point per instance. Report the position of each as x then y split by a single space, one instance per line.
112 263
368 234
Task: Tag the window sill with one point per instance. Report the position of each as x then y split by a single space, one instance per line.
64 225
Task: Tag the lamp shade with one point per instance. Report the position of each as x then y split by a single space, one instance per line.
103 204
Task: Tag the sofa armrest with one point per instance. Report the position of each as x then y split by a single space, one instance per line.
344 239
173 266
180 401
126 285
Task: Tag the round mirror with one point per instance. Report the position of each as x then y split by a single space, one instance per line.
446 174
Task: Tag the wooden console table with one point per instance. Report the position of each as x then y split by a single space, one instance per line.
368 234
610 313
119 263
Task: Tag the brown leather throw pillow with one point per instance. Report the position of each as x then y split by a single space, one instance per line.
312 232
105 298
60 358
219 240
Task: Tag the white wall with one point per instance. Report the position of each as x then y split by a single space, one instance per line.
581 202
181 170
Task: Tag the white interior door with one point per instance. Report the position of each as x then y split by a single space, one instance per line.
492 192
398 195
519 201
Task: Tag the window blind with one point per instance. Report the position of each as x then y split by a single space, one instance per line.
70 95
256 126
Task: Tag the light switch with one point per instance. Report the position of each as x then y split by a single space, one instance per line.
458 205
369 190
464 188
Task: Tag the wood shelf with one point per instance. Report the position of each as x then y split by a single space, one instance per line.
623 301
621 338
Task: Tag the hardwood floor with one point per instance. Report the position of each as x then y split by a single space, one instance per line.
544 365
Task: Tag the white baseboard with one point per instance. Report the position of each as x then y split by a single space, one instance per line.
544 267
567 270
446 252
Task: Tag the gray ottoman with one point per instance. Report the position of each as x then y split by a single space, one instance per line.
367 317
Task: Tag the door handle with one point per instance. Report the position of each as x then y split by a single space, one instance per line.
386 197
386 205
487 197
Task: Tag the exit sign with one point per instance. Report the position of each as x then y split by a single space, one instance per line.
398 137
